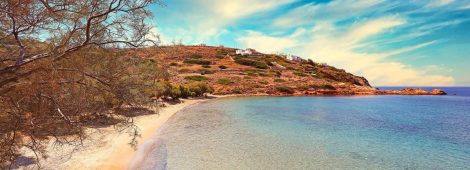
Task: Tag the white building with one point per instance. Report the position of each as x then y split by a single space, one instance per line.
244 52
293 58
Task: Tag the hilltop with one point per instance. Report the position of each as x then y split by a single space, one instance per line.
253 73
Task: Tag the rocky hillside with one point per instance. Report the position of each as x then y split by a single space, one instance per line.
256 73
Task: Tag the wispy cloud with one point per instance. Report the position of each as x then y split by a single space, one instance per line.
337 46
207 18
438 3
268 44
388 42
339 9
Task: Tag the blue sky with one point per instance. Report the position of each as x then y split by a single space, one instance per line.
390 42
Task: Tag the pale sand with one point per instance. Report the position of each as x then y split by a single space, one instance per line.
109 149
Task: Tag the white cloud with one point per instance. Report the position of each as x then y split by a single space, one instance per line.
362 31
265 43
206 19
465 6
338 47
438 3
338 9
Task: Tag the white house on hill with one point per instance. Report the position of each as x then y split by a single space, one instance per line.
247 51
293 58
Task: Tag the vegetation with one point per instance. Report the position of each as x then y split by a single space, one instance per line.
206 71
50 90
323 86
196 78
299 73
196 56
279 80
224 81
285 89
328 86
195 61
193 89
222 67
248 62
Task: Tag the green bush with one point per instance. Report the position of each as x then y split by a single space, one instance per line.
184 70
206 71
301 74
328 86
285 89
237 91
194 89
195 78
220 53
279 80
263 82
194 61
196 56
248 62
224 81
222 67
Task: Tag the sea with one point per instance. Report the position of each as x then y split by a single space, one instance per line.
350 132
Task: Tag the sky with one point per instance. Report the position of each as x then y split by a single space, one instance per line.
390 42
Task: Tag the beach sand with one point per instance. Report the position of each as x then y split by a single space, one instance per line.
108 148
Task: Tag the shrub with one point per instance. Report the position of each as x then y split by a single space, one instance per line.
237 90
196 56
194 89
195 78
285 89
264 82
184 70
224 81
310 61
199 89
194 61
206 66
220 53
249 62
173 64
222 67
301 74
328 86
206 71
279 80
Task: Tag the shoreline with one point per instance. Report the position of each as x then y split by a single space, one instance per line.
109 149
121 157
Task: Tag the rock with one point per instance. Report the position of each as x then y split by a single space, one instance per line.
411 91
438 92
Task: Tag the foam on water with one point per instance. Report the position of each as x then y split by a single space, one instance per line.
370 132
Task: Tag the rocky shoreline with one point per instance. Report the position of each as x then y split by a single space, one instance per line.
359 91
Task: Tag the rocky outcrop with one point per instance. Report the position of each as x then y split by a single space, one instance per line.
411 91
359 91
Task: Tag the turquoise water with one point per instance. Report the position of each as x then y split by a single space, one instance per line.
365 132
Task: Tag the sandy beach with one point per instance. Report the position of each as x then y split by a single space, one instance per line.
107 148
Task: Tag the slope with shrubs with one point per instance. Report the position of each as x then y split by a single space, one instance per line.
258 74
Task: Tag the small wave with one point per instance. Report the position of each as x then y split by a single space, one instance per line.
152 155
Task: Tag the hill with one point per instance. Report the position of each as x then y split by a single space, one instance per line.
256 73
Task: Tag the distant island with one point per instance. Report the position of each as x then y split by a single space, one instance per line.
231 71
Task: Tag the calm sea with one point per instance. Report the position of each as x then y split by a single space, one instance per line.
363 132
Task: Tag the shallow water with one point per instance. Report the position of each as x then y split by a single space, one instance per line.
366 132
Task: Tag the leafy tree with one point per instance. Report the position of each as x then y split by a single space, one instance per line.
61 67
